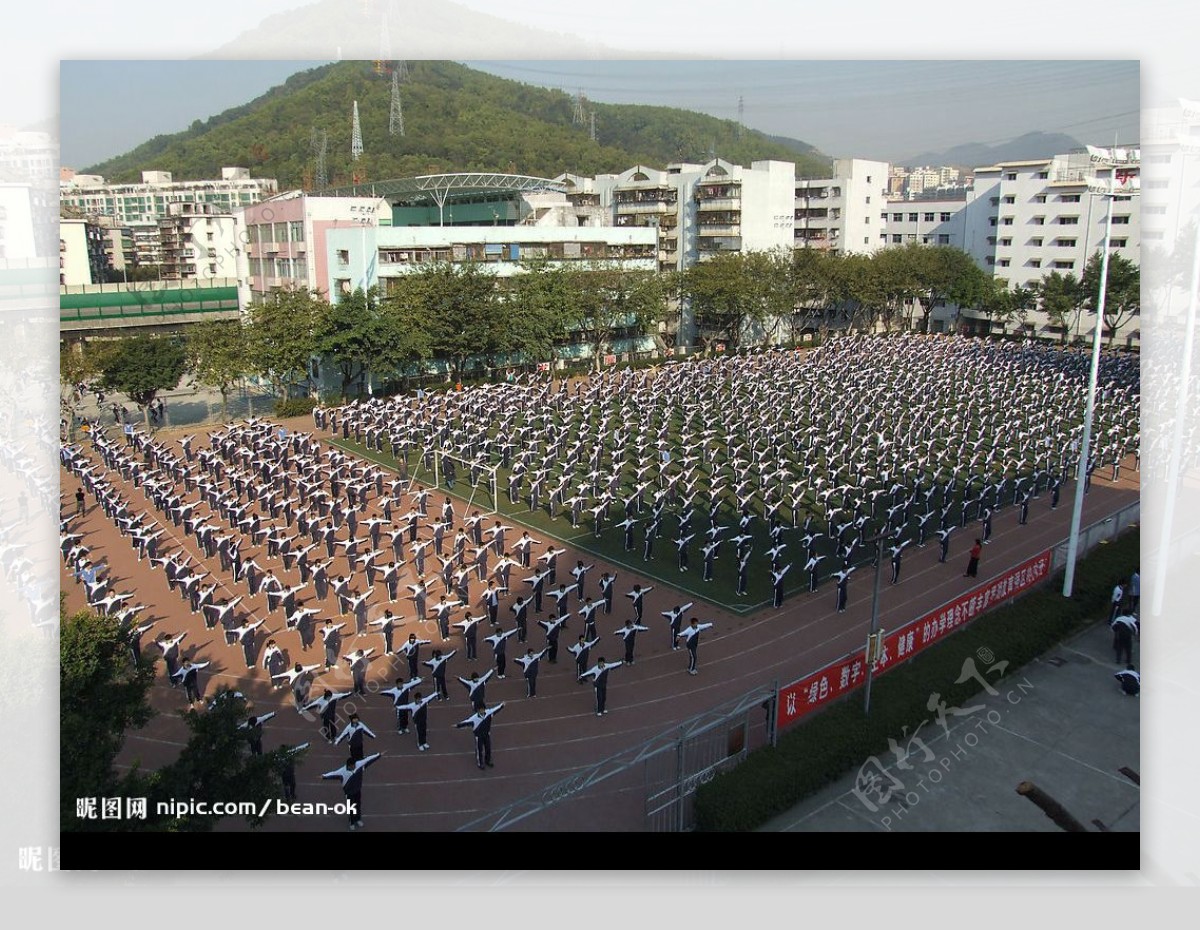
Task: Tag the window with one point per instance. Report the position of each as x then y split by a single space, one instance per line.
897 238
866 240
925 240
897 217
945 217
1039 198
1038 221
343 256
991 240
883 237
912 217
911 237
943 239
883 216
1068 221
342 285
1007 221
868 200
995 201
1010 199
991 221
296 229
1003 263
1010 176
1064 264
1121 220
1036 241
991 259
1035 263
208 237
1042 175
929 217
1065 243
212 270
1006 242
1068 198
1118 243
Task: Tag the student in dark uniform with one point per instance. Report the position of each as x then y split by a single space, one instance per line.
1124 628
606 590
629 632
419 708
599 675
691 636
499 643
355 730
581 650
351 775
287 769
481 724
1129 680
254 732
529 662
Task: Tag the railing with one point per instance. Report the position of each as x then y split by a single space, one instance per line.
1102 531
673 740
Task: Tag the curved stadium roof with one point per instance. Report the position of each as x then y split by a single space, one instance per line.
437 188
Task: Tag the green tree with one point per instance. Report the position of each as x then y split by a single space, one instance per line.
462 312
218 356
733 293
814 283
1123 295
141 366
103 694
78 363
608 300
282 337
943 274
1061 300
538 303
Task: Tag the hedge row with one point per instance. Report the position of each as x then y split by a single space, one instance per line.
294 406
813 754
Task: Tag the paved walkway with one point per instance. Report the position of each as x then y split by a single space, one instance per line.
1061 722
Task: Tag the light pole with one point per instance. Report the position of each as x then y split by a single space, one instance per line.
878 540
1112 187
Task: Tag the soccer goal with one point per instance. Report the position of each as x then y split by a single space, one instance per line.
474 480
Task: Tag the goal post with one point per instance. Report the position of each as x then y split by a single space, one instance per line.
480 477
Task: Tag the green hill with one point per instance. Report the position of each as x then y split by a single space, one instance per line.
455 119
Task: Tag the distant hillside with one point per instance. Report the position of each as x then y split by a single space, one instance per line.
417 29
455 119
975 154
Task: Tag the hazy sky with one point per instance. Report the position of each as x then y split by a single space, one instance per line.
878 109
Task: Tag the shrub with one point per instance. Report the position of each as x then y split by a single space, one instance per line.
294 406
838 739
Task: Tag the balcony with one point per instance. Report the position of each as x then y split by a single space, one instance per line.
714 244
720 229
719 203
649 206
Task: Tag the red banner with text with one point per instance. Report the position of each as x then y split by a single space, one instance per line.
843 676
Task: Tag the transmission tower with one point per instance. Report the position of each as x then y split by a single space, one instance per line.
741 115
579 116
592 126
396 119
400 68
356 146
320 147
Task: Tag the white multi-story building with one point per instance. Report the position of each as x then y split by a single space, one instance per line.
28 156
147 202
841 213
82 258
1021 221
17 241
197 242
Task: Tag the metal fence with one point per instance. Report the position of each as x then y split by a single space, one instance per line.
1102 531
656 781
